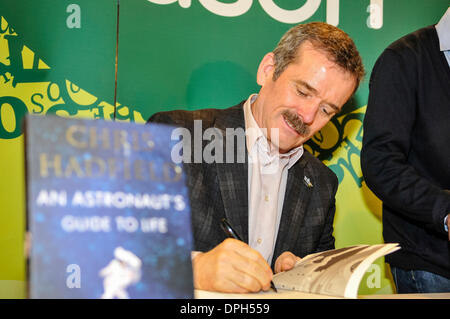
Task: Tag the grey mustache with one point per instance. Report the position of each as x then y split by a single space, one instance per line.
296 122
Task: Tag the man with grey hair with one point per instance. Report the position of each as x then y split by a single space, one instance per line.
281 200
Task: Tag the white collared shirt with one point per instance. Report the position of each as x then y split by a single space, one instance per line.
443 31
267 178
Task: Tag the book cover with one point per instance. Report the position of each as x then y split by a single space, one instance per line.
107 211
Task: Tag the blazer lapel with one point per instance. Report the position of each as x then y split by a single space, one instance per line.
233 177
297 197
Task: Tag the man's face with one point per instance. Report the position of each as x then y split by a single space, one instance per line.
306 95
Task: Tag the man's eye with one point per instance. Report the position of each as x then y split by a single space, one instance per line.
326 111
299 92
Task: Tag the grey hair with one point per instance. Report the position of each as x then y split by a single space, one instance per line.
334 42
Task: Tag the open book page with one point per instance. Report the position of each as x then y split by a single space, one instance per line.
334 272
368 256
281 294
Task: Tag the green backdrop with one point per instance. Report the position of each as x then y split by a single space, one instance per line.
59 57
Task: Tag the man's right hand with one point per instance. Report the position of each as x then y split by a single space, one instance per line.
232 266
448 226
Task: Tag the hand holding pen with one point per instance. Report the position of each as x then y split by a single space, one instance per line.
231 266
231 233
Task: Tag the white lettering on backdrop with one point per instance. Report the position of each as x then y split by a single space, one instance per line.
240 7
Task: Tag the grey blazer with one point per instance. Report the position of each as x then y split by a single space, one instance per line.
220 190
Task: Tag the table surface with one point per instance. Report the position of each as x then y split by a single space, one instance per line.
289 294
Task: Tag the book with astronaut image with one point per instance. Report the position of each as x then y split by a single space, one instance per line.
108 212
336 272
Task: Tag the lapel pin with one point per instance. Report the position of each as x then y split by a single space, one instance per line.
307 182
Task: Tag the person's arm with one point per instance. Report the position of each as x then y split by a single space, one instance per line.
232 266
388 126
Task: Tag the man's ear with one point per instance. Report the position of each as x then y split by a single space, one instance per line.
266 69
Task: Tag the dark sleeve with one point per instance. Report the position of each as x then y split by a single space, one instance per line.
161 117
388 125
327 239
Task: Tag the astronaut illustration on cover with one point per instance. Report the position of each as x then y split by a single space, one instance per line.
121 272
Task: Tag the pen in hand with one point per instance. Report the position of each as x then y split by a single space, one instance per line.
229 231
